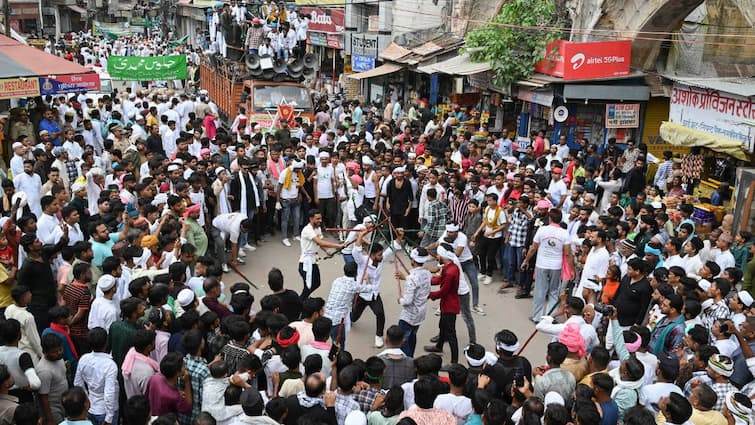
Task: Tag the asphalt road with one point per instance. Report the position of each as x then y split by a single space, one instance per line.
503 311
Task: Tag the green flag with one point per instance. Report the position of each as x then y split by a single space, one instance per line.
137 68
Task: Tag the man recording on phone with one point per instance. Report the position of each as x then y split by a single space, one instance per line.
572 308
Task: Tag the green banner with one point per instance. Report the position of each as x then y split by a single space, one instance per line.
138 68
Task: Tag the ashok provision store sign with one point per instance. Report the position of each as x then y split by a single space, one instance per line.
11 88
720 113
583 61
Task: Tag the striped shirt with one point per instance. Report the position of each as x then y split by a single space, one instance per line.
77 297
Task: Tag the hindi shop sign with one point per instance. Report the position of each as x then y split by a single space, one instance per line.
137 68
364 45
583 61
622 115
720 113
12 88
69 84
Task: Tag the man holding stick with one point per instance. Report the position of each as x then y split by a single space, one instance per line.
340 300
369 272
414 298
311 239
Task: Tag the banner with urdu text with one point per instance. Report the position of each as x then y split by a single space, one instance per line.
138 68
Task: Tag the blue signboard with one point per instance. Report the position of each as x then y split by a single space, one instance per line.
69 84
361 63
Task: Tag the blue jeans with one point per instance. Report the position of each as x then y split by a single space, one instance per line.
515 257
547 287
410 337
290 207
470 269
99 419
244 237
505 258
348 258
334 335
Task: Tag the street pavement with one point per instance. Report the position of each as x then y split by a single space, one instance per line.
503 311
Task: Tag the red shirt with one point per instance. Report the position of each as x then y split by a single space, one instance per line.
538 148
7 258
449 289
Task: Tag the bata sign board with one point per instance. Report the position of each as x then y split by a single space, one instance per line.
582 61
325 20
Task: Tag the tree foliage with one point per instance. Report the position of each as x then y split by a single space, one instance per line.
514 41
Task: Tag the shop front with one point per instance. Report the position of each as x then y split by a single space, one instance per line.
326 41
191 19
24 17
585 91
716 115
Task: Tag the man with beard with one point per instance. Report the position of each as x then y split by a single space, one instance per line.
311 239
103 241
31 184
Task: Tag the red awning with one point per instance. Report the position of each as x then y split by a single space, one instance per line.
20 60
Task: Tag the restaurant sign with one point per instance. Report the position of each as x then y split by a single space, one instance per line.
12 88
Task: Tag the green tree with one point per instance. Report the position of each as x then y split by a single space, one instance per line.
514 41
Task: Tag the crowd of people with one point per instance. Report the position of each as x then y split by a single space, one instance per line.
122 216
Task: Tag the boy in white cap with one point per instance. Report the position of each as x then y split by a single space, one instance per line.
103 311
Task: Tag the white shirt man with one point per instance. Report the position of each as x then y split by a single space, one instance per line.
596 263
31 184
588 332
48 229
325 178
557 189
98 374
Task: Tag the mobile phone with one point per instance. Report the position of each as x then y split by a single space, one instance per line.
518 377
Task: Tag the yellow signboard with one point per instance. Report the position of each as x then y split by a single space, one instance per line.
11 88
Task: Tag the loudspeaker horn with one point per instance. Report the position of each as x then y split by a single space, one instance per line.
294 74
280 77
268 74
252 62
279 67
308 72
255 72
296 66
310 61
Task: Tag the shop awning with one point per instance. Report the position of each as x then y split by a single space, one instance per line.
606 92
387 68
679 135
78 9
458 65
19 60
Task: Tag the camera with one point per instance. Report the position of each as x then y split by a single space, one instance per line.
605 309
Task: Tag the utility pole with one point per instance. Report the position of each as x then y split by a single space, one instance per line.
6 17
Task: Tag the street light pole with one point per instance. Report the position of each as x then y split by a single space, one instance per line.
6 17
